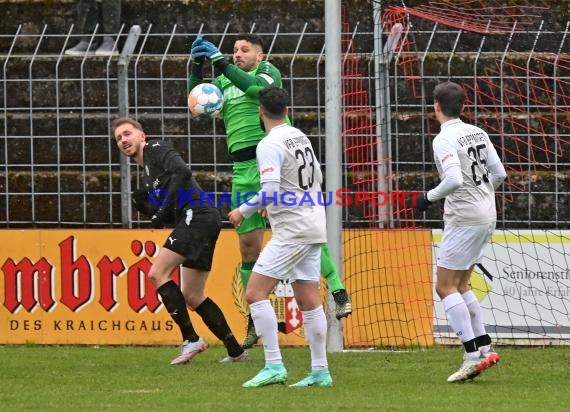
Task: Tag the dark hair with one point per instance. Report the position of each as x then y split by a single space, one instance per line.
450 97
274 101
252 38
122 120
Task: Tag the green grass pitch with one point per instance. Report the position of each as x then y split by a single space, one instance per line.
126 378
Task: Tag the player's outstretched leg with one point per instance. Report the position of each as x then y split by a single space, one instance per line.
215 320
174 302
330 273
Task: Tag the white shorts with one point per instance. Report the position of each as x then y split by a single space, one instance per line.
287 261
463 246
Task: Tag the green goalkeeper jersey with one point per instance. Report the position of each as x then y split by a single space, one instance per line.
241 102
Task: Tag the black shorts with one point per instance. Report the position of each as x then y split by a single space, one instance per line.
196 240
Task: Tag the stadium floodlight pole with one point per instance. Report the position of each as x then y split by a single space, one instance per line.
333 153
123 100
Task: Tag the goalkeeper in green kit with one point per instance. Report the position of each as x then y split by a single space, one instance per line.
240 83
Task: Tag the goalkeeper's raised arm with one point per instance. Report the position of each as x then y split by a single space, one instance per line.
248 75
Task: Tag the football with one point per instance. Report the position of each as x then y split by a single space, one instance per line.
205 101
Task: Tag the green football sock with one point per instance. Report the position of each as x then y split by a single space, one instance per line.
328 269
245 273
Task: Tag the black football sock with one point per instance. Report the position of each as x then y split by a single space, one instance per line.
470 346
174 302
482 340
215 321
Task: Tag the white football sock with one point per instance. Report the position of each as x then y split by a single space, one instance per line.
475 313
458 316
485 349
315 323
265 323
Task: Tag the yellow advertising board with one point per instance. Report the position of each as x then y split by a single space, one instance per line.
90 287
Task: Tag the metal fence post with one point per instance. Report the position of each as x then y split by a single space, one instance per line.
383 55
333 151
123 90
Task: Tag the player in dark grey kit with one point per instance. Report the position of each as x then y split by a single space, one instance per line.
191 243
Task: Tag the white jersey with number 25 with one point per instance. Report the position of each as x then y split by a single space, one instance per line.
286 156
468 146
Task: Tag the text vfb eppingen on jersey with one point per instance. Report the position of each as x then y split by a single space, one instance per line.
342 197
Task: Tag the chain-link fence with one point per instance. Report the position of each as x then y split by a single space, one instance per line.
59 167
518 90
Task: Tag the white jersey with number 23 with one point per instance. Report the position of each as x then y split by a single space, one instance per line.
286 156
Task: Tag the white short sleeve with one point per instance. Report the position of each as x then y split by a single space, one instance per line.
269 160
446 153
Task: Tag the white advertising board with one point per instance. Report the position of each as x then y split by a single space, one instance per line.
527 296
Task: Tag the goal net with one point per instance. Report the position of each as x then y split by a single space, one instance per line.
515 70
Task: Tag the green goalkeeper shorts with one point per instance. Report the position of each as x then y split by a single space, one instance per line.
245 180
